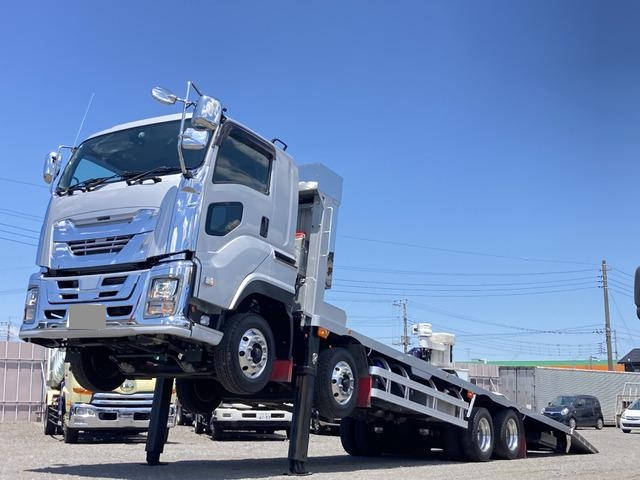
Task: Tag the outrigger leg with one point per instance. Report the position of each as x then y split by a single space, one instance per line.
305 379
157 435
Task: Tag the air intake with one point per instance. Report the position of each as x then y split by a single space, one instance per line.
97 246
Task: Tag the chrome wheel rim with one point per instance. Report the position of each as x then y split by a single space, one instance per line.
512 434
253 353
484 435
342 382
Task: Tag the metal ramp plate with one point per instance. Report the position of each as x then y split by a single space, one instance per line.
410 395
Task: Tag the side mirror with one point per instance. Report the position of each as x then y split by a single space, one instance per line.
163 95
636 291
51 166
207 113
193 139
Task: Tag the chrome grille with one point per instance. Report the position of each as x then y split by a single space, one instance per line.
96 246
121 400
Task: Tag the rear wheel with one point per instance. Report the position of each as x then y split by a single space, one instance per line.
599 424
198 395
94 370
358 438
336 388
50 426
477 441
245 356
509 435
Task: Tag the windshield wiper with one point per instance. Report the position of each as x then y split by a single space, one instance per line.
87 185
139 176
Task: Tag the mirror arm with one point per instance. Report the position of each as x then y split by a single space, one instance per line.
183 167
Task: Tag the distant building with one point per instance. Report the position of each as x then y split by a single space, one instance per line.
631 361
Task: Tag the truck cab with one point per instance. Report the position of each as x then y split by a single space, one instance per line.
171 246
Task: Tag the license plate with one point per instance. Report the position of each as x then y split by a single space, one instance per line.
87 317
264 416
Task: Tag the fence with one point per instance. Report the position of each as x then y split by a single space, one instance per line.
22 381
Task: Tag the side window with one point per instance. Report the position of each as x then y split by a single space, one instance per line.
223 217
243 161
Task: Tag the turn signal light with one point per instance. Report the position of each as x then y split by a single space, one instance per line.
82 391
323 332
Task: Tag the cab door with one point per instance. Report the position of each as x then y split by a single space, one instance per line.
233 237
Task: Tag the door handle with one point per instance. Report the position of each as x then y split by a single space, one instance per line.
264 227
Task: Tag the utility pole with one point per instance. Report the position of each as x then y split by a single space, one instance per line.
607 320
405 341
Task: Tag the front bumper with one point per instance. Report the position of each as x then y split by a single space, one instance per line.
252 425
628 423
105 418
124 296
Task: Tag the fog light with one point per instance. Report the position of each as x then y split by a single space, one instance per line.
161 307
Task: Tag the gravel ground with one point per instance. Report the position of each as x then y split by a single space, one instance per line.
27 454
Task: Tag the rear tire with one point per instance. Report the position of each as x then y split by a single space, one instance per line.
478 439
625 430
336 386
198 395
245 357
509 433
50 427
198 425
358 438
94 370
599 424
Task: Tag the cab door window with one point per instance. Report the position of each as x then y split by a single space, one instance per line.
243 160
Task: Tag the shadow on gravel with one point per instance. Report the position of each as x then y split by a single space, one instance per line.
235 469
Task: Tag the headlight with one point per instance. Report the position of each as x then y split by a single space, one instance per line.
161 300
30 304
84 412
564 411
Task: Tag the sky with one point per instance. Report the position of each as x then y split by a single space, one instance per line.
489 149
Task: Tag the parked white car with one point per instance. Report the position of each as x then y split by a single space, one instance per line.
630 418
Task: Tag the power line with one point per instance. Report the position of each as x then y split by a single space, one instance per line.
19 234
501 289
462 252
472 295
543 282
454 274
22 182
624 273
20 228
18 241
620 292
21 215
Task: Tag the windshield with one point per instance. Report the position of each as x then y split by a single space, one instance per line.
635 405
562 401
137 149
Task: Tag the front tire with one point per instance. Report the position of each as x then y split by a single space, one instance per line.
245 356
94 370
625 430
336 388
50 427
198 395
572 423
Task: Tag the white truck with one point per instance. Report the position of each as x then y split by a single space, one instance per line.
71 409
190 247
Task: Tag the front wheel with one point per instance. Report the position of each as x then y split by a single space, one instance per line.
94 370
50 427
625 430
572 423
336 388
245 356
